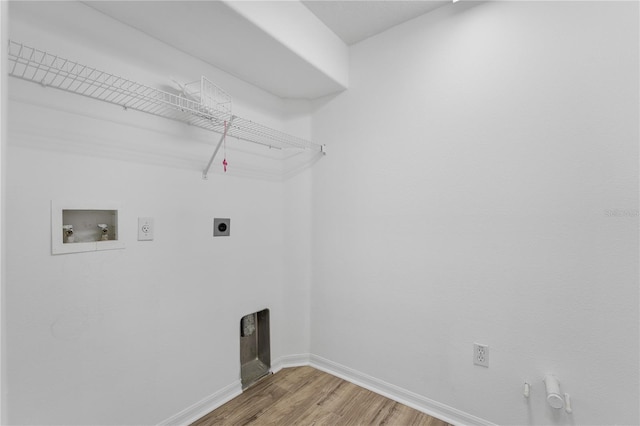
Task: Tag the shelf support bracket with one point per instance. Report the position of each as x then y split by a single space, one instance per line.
205 173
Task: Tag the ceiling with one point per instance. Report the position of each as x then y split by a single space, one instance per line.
356 20
228 35
292 49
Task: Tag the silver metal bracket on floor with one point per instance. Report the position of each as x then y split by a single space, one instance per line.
205 173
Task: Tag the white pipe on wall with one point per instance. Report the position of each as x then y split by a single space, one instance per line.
554 397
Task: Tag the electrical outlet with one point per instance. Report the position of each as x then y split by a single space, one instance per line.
145 229
481 355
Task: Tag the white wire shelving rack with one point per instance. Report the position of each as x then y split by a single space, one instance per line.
209 109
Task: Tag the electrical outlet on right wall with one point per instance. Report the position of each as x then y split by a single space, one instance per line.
481 355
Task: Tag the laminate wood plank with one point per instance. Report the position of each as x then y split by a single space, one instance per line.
288 410
262 387
318 416
321 408
335 398
306 396
413 417
292 379
365 408
345 398
240 411
384 412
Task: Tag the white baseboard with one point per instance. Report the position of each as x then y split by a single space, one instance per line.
403 396
396 393
205 406
296 360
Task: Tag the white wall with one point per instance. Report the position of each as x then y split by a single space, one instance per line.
474 162
4 36
134 336
474 165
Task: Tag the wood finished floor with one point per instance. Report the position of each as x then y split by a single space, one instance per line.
306 396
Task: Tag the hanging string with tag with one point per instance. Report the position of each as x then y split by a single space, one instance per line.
224 148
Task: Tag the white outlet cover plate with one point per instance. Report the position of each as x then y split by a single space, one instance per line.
145 229
481 355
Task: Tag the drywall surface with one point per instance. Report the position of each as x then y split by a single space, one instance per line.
297 233
4 36
300 30
135 336
482 186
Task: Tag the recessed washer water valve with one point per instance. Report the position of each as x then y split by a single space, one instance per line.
105 231
67 231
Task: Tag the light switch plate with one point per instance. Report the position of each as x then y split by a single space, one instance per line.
145 229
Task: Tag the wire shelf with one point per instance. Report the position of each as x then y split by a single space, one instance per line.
209 95
210 109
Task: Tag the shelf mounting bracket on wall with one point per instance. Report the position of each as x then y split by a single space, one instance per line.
205 173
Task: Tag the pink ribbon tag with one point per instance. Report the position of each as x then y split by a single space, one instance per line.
224 163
